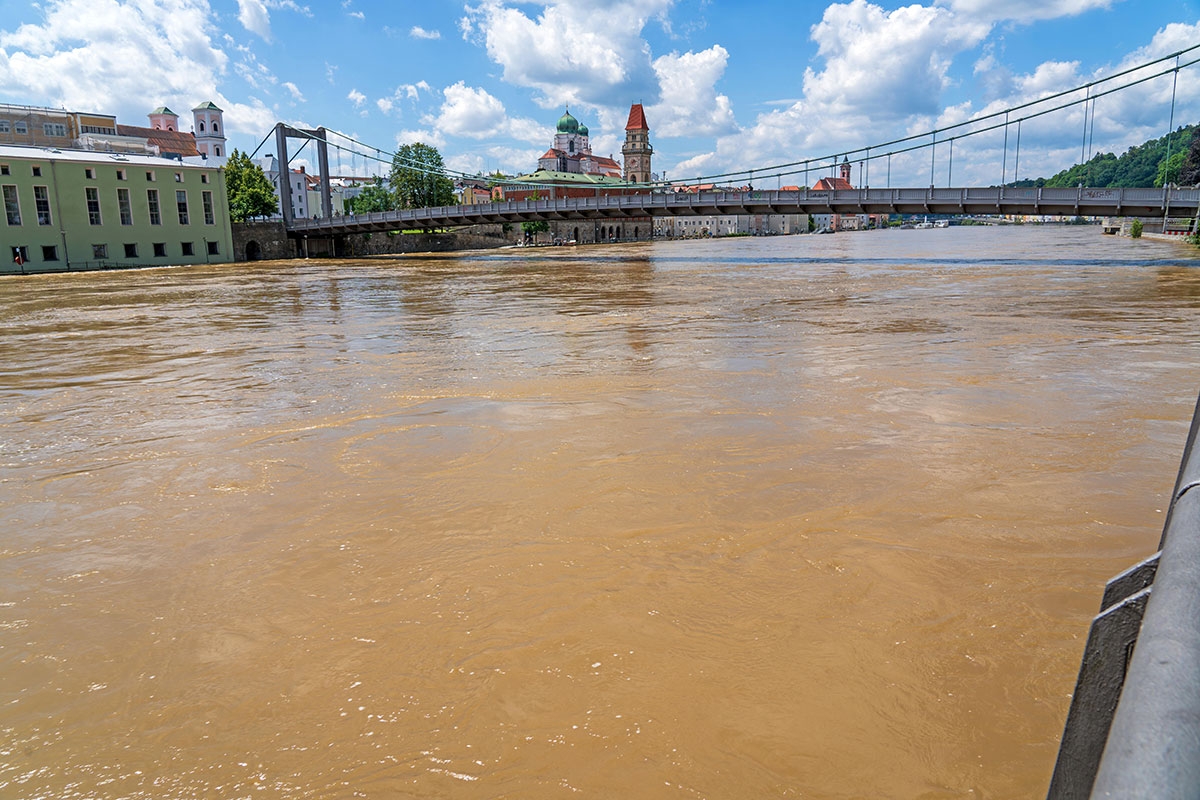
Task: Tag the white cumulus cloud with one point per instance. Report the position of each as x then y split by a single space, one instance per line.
122 58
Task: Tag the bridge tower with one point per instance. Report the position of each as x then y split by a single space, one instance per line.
637 149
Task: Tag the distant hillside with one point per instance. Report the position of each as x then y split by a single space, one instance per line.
1137 166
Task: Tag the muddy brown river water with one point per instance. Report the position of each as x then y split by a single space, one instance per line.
817 516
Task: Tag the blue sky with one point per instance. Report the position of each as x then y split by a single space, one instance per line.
726 86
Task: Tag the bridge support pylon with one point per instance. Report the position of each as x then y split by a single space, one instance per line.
282 134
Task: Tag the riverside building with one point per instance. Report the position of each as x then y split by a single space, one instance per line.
79 209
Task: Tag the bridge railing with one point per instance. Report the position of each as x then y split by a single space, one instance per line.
929 200
1133 729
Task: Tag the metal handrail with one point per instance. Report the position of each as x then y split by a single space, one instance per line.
1153 747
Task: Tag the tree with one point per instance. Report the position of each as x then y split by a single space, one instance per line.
250 191
1189 173
418 178
1168 169
375 197
534 227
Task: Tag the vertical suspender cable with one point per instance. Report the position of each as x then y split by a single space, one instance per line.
1171 124
1004 160
1170 132
1017 165
1083 144
932 156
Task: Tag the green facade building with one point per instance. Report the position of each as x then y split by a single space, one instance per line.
77 209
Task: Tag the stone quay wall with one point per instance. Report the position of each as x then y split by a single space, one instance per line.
267 240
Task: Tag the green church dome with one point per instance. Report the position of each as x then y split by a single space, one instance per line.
568 124
583 131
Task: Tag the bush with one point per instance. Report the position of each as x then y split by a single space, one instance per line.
1135 230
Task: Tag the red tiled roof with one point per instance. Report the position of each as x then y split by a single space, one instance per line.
637 119
832 183
178 142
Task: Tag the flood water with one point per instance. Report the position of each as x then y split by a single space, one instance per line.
816 516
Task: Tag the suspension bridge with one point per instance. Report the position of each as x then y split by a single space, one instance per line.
639 201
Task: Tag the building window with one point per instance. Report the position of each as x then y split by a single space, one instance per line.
152 204
93 205
213 250
54 129
188 250
202 126
121 176
12 207
37 172
204 176
131 250
125 206
5 127
41 202
216 129
89 173
218 149
181 204
179 177
99 251
20 255
150 175
209 218
4 169
160 249
49 252
20 128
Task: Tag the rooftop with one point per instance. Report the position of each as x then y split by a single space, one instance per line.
88 156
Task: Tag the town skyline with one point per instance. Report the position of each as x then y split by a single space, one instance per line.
725 87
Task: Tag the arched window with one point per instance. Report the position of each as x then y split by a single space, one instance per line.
216 128
170 128
202 126
218 149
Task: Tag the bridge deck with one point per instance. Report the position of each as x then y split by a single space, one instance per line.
1080 201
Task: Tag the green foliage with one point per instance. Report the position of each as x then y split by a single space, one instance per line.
1135 230
250 191
374 197
1168 169
418 178
535 227
1140 166
1189 173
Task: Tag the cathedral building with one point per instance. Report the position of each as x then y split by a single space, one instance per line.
570 169
572 152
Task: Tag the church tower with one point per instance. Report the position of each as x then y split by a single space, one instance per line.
846 169
164 119
637 149
207 127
